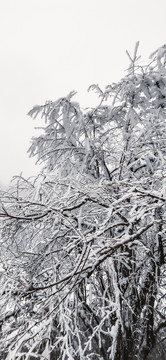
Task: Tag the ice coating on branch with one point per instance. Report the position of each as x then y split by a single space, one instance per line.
83 244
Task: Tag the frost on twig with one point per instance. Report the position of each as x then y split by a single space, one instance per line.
82 245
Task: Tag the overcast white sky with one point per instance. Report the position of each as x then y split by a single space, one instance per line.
50 47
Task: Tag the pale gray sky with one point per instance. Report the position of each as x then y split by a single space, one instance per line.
50 47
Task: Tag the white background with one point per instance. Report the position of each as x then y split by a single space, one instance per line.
50 47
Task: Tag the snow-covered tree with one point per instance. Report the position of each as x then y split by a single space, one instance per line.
83 245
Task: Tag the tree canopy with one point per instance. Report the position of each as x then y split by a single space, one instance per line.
82 245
